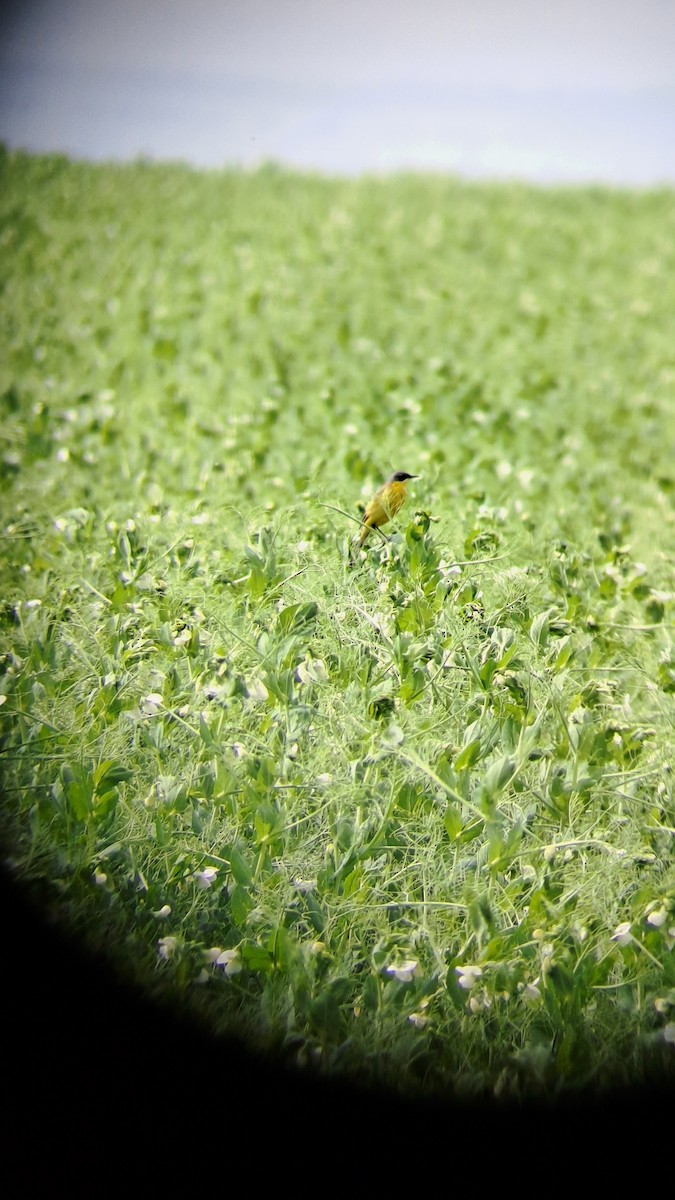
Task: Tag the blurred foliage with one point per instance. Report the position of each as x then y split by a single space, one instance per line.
414 811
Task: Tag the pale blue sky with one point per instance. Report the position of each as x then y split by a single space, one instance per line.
545 90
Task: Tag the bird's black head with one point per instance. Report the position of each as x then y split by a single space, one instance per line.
399 476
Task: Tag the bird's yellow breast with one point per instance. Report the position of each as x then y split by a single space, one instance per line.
385 503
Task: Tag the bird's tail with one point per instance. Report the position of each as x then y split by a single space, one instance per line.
357 542
363 532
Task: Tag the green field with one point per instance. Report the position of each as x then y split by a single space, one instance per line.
408 819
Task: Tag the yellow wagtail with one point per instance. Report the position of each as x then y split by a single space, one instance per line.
385 503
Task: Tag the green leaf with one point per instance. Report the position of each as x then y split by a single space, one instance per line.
297 617
407 797
316 913
498 774
257 958
268 822
241 903
540 626
205 731
109 774
666 675
452 819
468 755
165 349
344 833
325 1011
105 803
481 916
78 789
503 844
370 996
257 581
162 831
241 871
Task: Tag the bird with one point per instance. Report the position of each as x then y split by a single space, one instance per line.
385 503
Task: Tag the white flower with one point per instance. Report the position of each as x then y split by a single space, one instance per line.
404 971
100 878
213 954
312 670
239 749
206 877
323 779
418 1020
163 912
230 961
658 917
467 976
622 934
304 885
448 570
167 946
256 690
669 1032
531 993
151 704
